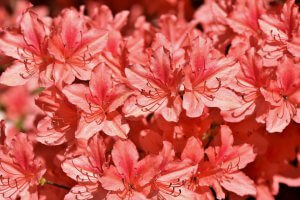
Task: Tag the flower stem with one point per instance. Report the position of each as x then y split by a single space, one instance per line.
44 181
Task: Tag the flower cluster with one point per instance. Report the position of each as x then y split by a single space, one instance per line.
96 105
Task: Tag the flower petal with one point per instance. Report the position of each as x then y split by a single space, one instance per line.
125 158
240 184
13 75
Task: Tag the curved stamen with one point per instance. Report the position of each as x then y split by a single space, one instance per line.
87 174
236 115
154 105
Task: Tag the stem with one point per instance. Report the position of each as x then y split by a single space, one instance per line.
211 133
58 185
44 181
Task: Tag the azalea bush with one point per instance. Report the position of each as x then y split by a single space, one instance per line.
160 101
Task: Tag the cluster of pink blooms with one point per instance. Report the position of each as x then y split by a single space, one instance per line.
96 105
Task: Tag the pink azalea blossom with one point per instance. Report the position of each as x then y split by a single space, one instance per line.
158 85
244 18
61 118
225 163
248 82
129 177
74 47
282 33
86 169
20 169
283 97
206 78
98 104
28 46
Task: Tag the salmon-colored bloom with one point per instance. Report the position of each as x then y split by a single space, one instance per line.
19 105
74 46
244 18
282 34
251 77
173 175
222 168
86 169
158 85
98 104
206 78
61 118
213 16
20 170
284 97
28 46
129 177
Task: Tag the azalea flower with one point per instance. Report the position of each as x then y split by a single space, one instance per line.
20 169
282 35
28 46
19 105
244 18
129 177
206 78
60 122
225 163
283 97
249 80
98 104
158 85
74 47
172 180
86 169
174 41
213 16
120 51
